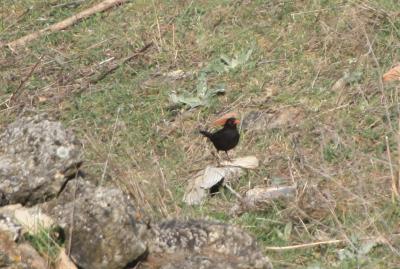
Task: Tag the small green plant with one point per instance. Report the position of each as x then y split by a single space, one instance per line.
356 255
47 242
201 96
225 64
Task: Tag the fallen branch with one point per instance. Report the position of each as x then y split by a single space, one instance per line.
122 62
395 193
107 4
378 239
313 244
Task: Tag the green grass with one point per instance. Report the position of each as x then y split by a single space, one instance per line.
47 242
299 48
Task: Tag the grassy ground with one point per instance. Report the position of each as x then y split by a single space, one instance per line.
319 61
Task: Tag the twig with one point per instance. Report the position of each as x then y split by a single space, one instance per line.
110 147
398 140
293 14
233 191
18 91
327 242
72 4
18 19
315 79
107 4
313 244
164 181
394 188
290 171
398 156
381 88
122 62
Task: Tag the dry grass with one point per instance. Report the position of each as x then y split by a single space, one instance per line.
320 60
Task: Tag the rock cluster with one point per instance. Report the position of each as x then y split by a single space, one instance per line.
39 168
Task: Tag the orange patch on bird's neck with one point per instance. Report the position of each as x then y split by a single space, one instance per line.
221 121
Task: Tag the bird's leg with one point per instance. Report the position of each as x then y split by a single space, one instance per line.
227 155
216 155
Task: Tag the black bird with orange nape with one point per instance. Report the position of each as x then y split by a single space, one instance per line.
226 138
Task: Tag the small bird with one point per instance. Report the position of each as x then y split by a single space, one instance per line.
226 138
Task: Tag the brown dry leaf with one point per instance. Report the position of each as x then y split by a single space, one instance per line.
194 193
195 196
339 85
392 74
205 179
42 99
213 175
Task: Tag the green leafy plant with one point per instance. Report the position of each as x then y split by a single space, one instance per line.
226 64
201 96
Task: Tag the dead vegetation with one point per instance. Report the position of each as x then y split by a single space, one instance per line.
314 107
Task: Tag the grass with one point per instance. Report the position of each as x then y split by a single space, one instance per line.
47 242
299 49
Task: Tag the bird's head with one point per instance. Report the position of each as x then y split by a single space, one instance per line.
231 123
227 120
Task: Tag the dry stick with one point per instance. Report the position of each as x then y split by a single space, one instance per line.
102 75
327 242
398 139
394 189
381 88
18 19
18 91
233 191
110 148
65 23
124 61
398 157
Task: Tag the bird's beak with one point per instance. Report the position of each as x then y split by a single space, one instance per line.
237 121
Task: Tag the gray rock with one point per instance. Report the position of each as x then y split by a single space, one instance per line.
37 156
105 231
8 226
203 244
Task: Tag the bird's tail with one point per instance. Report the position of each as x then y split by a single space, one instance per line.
206 134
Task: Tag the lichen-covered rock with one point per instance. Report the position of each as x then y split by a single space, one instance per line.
37 156
105 231
203 244
10 227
